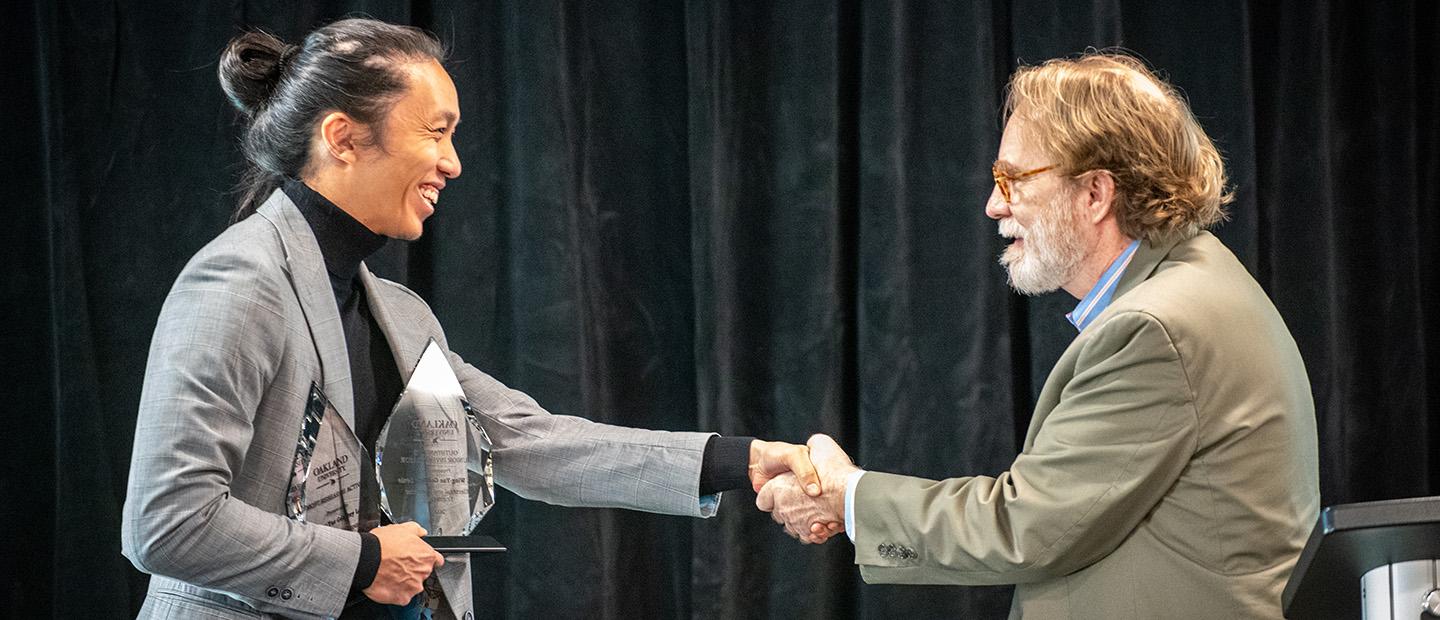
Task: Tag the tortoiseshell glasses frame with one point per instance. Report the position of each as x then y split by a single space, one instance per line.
1004 179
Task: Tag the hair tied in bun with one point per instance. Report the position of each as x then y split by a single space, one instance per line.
283 63
250 69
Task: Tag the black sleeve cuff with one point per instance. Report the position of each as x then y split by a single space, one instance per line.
369 563
726 464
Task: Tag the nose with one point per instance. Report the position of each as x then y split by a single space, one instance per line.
996 208
449 161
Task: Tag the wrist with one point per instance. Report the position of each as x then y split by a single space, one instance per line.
836 488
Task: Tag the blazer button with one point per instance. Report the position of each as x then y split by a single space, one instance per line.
287 594
272 592
469 615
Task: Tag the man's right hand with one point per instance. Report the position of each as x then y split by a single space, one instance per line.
405 562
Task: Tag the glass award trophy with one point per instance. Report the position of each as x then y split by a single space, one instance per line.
432 459
329 469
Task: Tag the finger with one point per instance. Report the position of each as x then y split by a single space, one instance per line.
765 499
416 526
836 526
819 533
439 560
799 463
758 476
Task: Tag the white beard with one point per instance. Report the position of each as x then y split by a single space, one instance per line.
1054 250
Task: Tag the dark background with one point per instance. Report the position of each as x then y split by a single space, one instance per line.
755 218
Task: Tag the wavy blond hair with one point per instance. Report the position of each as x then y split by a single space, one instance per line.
1107 111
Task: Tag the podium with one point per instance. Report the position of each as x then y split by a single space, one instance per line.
1372 560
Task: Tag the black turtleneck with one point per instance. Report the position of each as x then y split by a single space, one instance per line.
375 378
344 243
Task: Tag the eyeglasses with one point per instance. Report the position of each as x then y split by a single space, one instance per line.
1004 179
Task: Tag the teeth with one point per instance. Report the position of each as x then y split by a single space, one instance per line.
430 194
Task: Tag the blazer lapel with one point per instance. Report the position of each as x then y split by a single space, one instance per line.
406 342
317 301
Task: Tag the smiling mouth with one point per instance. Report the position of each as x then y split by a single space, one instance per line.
431 194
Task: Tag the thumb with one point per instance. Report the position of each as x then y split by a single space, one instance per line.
804 470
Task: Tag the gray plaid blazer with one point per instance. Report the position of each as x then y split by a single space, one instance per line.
250 323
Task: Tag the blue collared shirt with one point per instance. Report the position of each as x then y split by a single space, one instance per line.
1099 296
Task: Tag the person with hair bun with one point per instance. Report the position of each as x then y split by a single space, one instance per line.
1170 468
350 141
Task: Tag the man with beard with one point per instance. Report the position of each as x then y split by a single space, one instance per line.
1170 465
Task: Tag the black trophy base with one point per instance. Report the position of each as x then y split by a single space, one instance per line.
463 544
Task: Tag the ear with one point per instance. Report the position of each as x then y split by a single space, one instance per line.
1097 193
338 136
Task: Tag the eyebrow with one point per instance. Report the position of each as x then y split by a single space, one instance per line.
450 118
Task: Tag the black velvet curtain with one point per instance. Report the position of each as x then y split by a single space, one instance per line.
755 218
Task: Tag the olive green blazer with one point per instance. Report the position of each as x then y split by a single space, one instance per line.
1169 469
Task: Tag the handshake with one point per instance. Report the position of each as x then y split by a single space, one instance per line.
802 487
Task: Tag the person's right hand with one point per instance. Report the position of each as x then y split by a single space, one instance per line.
405 562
